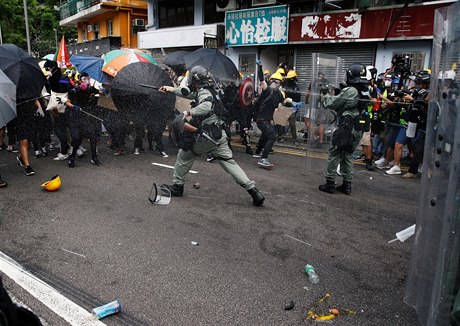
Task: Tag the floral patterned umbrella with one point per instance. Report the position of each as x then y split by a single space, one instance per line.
115 60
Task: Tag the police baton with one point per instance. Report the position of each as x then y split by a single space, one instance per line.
91 115
149 86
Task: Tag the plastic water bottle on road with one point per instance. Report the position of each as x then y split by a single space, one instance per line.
312 276
107 309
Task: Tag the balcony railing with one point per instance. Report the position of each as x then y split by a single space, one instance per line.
73 7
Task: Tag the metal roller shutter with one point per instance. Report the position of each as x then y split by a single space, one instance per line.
350 53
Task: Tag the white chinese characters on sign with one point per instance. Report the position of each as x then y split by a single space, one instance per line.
264 31
322 27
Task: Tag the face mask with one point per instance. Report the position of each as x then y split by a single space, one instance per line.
387 83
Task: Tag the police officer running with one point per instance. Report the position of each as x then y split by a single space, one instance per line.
349 104
206 136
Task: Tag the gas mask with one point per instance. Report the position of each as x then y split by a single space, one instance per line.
84 83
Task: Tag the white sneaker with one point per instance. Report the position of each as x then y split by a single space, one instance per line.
61 157
80 152
84 150
381 164
163 154
136 151
394 170
380 161
37 153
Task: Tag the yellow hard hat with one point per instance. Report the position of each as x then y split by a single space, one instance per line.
281 71
267 72
53 184
277 76
291 74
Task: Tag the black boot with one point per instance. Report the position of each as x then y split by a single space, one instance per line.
257 197
71 163
175 190
249 150
369 165
345 187
95 161
329 187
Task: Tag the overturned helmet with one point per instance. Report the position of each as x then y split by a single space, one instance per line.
356 74
53 184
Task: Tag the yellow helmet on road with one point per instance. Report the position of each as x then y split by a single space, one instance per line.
277 76
291 74
53 184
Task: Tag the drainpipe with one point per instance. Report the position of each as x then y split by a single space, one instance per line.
151 15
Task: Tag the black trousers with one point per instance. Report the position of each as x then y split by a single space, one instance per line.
267 139
81 128
60 129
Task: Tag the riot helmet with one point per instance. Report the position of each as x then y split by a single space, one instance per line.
199 77
423 77
356 74
371 73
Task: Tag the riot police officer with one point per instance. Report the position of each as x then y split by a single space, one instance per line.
208 135
348 104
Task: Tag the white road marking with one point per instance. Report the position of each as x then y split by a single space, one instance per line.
297 240
71 252
171 167
63 307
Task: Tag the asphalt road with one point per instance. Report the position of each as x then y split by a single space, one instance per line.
249 261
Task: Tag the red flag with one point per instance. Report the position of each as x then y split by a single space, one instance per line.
62 58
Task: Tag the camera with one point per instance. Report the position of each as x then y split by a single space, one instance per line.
401 65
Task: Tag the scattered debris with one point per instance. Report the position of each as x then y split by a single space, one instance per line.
404 234
323 311
297 240
111 308
158 199
197 185
194 243
74 253
289 305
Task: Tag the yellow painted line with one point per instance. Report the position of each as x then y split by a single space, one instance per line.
312 154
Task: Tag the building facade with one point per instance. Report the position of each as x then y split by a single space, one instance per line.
365 31
104 25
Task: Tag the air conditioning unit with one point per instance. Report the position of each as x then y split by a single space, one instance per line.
225 5
89 28
256 3
138 22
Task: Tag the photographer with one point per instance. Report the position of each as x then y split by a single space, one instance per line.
417 119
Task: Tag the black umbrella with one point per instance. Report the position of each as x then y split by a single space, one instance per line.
130 97
23 71
176 60
221 67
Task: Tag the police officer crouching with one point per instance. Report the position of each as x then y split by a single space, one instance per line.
351 106
204 134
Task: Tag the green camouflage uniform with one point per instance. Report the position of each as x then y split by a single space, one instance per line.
222 153
347 100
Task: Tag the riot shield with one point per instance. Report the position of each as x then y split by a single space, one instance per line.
326 75
434 277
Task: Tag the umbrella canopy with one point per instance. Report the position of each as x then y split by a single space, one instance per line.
23 71
176 60
49 56
7 99
62 56
221 67
129 97
115 60
90 65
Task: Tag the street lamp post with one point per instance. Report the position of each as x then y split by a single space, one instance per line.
26 17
